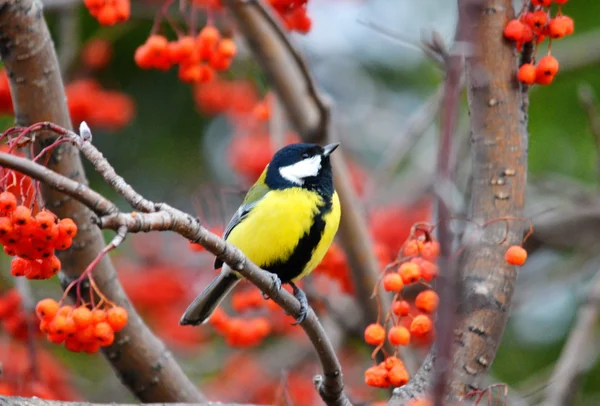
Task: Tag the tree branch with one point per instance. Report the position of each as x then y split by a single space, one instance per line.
499 177
140 359
166 218
310 115
18 401
499 151
562 386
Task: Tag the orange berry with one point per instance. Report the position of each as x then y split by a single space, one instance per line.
516 255
117 318
85 335
392 282
209 36
72 344
539 19
45 326
157 43
70 327
421 325
91 347
107 16
401 308
98 316
374 334
6 227
561 26
430 251
427 301
82 316
399 335
58 325
398 375
411 248
527 74
429 270
377 377
21 215
220 62
227 48
8 202
514 30
546 69
410 272
46 309
543 3
56 338
50 266
142 57
35 270
65 311
104 334
68 227
20 266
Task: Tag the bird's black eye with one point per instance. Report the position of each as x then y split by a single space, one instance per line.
305 156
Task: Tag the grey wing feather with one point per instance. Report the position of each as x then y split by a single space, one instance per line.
237 218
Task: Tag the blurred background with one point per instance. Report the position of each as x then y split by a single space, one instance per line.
165 140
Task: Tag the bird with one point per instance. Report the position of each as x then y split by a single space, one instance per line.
285 225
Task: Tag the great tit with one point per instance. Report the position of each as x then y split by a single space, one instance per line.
285 225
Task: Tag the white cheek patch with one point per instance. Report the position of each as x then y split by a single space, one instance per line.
304 169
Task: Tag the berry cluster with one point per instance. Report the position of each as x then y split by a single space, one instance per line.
86 99
198 57
100 108
80 328
14 319
415 264
534 26
293 14
238 331
33 239
109 12
33 374
390 372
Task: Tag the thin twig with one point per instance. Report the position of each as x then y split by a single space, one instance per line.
448 284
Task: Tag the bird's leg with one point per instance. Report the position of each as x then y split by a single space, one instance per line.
276 284
301 297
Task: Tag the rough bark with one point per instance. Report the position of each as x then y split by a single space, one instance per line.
499 157
140 359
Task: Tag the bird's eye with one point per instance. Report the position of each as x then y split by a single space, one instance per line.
305 156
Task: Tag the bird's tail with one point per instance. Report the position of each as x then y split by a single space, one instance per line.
205 304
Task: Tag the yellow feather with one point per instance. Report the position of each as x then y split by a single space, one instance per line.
273 228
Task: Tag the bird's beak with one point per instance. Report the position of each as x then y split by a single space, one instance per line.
328 149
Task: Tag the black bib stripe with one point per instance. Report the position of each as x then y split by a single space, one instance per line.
303 251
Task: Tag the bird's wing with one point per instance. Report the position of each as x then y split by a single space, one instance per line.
254 195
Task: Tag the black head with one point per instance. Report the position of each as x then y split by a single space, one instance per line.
302 165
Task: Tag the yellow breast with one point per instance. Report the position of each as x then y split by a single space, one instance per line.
272 230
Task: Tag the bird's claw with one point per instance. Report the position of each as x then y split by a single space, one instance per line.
276 285
301 297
